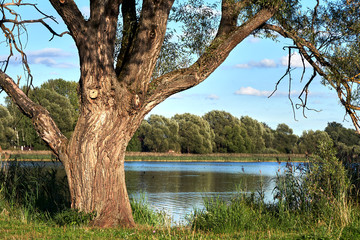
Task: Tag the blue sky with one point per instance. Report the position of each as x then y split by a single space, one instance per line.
241 85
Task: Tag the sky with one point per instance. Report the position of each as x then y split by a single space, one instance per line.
240 86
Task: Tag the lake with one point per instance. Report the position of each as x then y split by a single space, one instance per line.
179 187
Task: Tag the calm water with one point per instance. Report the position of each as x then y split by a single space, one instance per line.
179 187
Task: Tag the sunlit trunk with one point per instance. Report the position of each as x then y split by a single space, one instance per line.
95 154
96 169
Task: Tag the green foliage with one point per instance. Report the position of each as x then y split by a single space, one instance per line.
59 97
143 214
67 89
284 140
339 134
172 56
255 132
135 143
160 134
328 185
199 21
195 133
230 136
241 213
310 140
34 189
73 217
7 134
306 197
60 108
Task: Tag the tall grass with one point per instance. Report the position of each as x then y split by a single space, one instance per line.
143 214
34 192
40 193
315 196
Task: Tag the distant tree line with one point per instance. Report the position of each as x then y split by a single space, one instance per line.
215 132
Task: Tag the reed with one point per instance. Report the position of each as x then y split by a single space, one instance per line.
306 198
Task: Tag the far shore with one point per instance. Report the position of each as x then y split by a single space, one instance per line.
35 156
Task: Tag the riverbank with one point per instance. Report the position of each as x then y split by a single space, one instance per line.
166 157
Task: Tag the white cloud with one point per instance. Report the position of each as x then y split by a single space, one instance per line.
295 60
43 60
264 63
212 97
242 65
253 39
48 52
267 63
252 92
46 56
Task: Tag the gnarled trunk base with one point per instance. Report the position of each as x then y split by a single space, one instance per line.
96 172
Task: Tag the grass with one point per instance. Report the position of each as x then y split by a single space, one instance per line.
135 156
312 203
11 228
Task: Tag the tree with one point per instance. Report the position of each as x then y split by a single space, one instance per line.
7 134
195 134
160 134
268 136
67 89
114 100
135 143
255 130
228 132
310 140
284 140
339 134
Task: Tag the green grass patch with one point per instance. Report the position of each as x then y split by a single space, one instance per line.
312 203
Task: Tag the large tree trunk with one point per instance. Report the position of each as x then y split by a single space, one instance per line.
94 159
96 171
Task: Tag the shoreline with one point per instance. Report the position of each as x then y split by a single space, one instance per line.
47 156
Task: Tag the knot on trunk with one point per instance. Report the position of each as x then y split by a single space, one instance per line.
136 102
93 93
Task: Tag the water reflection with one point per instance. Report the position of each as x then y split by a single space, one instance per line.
178 187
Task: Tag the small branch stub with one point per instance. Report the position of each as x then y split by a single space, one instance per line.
136 102
93 93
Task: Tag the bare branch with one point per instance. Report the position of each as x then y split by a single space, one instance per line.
71 15
340 84
42 121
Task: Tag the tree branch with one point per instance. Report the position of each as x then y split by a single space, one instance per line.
220 48
71 15
230 10
149 38
339 84
42 121
130 25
